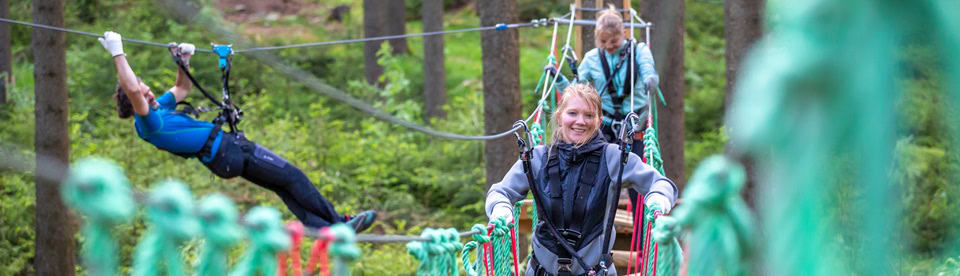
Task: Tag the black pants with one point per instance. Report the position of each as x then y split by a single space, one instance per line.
240 157
636 148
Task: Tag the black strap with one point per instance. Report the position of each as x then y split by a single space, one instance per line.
207 145
611 89
607 234
179 61
588 178
525 157
555 179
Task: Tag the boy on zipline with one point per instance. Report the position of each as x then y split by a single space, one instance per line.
226 154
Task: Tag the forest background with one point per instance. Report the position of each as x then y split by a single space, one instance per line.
414 180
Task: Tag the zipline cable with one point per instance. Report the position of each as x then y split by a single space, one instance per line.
42 26
328 90
498 27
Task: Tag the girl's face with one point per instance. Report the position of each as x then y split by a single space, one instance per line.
610 41
578 121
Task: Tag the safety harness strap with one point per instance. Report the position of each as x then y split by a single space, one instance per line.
525 157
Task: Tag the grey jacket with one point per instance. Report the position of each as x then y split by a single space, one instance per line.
636 174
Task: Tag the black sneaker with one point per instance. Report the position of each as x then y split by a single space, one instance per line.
362 221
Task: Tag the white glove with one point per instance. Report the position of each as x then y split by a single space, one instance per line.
186 51
658 201
502 210
111 41
650 84
186 48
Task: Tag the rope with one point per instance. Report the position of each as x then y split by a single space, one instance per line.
42 26
498 27
296 229
318 253
171 223
343 249
438 255
502 246
100 191
718 219
220 232
479 239
267 238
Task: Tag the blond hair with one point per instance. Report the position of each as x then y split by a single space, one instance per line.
609 21
590 96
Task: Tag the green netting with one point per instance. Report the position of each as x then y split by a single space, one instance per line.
720 224
438 256
220 233
100 191
171 222
822 84
267 238
344 249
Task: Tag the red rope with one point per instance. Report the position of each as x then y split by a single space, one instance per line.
295 228
488 252
318 253
632 262
513 248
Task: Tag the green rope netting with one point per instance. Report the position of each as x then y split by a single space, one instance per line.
475 268
220 232
100 191
438 256
267 238
720 223
503 246
171 222
344 249
822 85
664 255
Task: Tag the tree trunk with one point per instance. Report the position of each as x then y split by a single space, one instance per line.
501 85
667 47
395 23
54 244
372 16
586 32
434 71
5 52
743 26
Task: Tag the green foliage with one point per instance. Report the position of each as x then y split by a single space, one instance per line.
705 80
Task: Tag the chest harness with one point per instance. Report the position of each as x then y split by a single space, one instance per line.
229 113
618 116
572 216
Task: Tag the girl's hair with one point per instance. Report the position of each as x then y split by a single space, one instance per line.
609 21
124 107
590 96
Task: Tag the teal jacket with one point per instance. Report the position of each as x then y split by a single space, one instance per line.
591 71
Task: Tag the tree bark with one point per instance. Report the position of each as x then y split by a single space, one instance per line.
501 85
54 245
372 16
667 47
434 71
743 26
5 52
395 23
586 32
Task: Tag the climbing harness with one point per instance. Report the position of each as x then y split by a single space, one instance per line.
229 112
525 152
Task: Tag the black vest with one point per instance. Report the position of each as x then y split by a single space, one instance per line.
575 196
